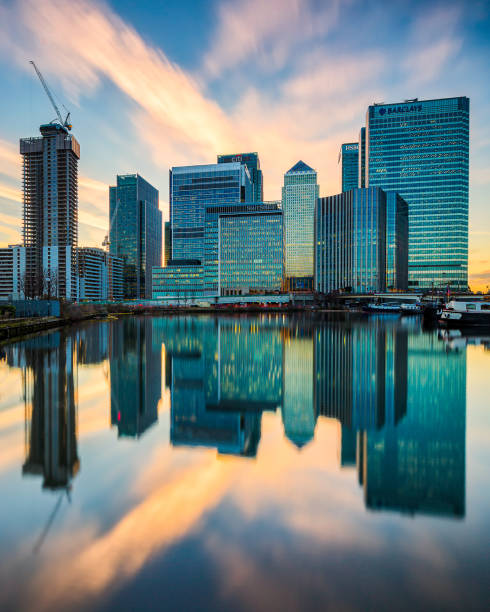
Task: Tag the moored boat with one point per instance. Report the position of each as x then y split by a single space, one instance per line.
386 307
411 308
466 313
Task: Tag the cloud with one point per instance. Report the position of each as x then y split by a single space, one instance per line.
255 31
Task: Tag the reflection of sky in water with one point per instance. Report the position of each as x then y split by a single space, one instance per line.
248 463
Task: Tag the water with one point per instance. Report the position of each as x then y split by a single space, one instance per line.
247 463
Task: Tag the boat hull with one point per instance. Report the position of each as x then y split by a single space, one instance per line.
464 319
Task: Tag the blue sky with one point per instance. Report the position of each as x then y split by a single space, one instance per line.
156 84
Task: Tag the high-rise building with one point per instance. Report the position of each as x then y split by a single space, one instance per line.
356 234
362 158
193 188
251 252
299 196
420 149
252 161
167 256
349 165
50 212
135 232
100 275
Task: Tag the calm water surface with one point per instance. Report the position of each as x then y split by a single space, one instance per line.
267 463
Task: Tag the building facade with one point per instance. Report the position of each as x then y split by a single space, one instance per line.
12 272
349 165
50 212
252 161
180 278
362 158
299 195
420 149
361 241
167 242
251 252
100 275
135 232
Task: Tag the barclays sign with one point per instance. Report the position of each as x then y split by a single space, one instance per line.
400 109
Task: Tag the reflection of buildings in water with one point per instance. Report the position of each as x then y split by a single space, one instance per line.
416 463
360 373
224 373
93 343
135 366
51 411
298 410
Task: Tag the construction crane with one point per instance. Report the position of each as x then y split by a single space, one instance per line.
107 241
66 123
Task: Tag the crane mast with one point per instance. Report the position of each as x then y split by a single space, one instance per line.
64 123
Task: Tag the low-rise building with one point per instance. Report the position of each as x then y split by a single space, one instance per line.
12 272
100 275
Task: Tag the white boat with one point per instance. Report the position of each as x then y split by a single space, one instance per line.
466 313
386 307
411 308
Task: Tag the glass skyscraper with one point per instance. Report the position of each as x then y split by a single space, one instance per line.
361 235
252 161
420 149
299 196
251 252
192 189
362 158
135 232
349 165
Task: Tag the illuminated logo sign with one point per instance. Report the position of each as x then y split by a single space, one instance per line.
400 109
237 158
352 147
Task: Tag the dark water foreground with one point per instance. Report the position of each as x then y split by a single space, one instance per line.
255 463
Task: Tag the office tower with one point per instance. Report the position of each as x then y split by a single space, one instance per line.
354 240
349 165
194 190
136 377
396 241
248 242
252 161
100 275
195 187
135 232
362 158
50 212
167 243
420 149
12 272
299 196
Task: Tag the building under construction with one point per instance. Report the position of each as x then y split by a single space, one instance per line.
50 229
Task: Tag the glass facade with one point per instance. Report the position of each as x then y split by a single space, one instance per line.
420 149
250 252
252 161
192 189
349 165
357 238
179 279
135 232
362 158
396 242
299 196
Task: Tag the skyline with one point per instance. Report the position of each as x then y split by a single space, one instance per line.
290 84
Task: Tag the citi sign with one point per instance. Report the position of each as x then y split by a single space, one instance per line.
400 109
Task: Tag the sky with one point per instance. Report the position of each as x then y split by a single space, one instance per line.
155 84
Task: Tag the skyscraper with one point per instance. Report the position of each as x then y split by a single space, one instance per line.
420 149
50 212
299 196
362 158
135 232
252 161
361 241
349 165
